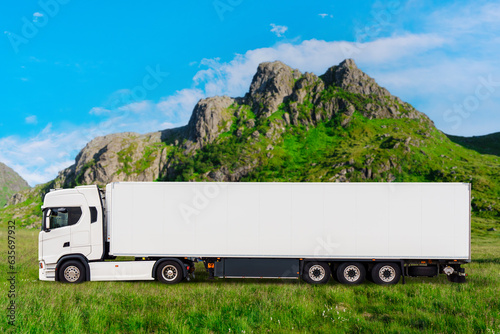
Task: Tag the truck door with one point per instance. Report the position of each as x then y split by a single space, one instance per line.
66 228
56 233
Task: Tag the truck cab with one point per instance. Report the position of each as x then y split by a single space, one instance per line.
72 227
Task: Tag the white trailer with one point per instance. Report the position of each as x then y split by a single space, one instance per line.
283 230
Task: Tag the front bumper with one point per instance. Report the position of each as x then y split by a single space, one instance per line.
46 272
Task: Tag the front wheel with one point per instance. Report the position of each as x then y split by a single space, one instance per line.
316 273
72 272
169 272
386 273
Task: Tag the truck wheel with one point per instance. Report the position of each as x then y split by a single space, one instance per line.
316 272
351 273
72 272
386 273
169 272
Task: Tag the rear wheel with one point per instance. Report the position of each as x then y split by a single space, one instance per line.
316 272
386 273
72 272
169 272
351 273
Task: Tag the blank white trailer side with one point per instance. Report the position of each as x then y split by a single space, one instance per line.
290 220
288 230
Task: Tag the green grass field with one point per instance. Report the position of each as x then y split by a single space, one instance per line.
257 306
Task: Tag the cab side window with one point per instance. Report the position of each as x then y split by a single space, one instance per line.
60 217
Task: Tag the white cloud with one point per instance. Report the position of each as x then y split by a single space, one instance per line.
137 107
38 159
325 15
99 111
177 108
459 19
278 30
31 119
443 78
36 16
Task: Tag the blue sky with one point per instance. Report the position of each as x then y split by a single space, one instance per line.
73 70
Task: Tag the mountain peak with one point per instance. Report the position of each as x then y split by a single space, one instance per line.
349 77
348 63
271 84
204 124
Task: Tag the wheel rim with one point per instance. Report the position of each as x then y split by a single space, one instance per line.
317 273
72 273
387 274
169 272
352 273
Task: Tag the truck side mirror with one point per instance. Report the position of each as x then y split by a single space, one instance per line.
46 220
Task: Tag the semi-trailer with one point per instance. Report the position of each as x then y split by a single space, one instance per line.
312 231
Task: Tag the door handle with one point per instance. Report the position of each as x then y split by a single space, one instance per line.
66 244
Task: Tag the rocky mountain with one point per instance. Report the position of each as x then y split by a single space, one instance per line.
292 126
293 98
10 183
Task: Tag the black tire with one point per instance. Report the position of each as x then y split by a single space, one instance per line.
351 273
334 272
386 273
316 273
71 272
169 272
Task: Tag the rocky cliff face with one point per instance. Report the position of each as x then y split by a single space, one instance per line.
271 85
210 117
10 183
116 157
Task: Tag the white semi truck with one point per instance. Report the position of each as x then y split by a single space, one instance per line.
313 231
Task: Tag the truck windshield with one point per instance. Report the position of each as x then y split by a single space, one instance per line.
60 217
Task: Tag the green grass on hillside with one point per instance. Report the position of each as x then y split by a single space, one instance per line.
488 144
258 306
